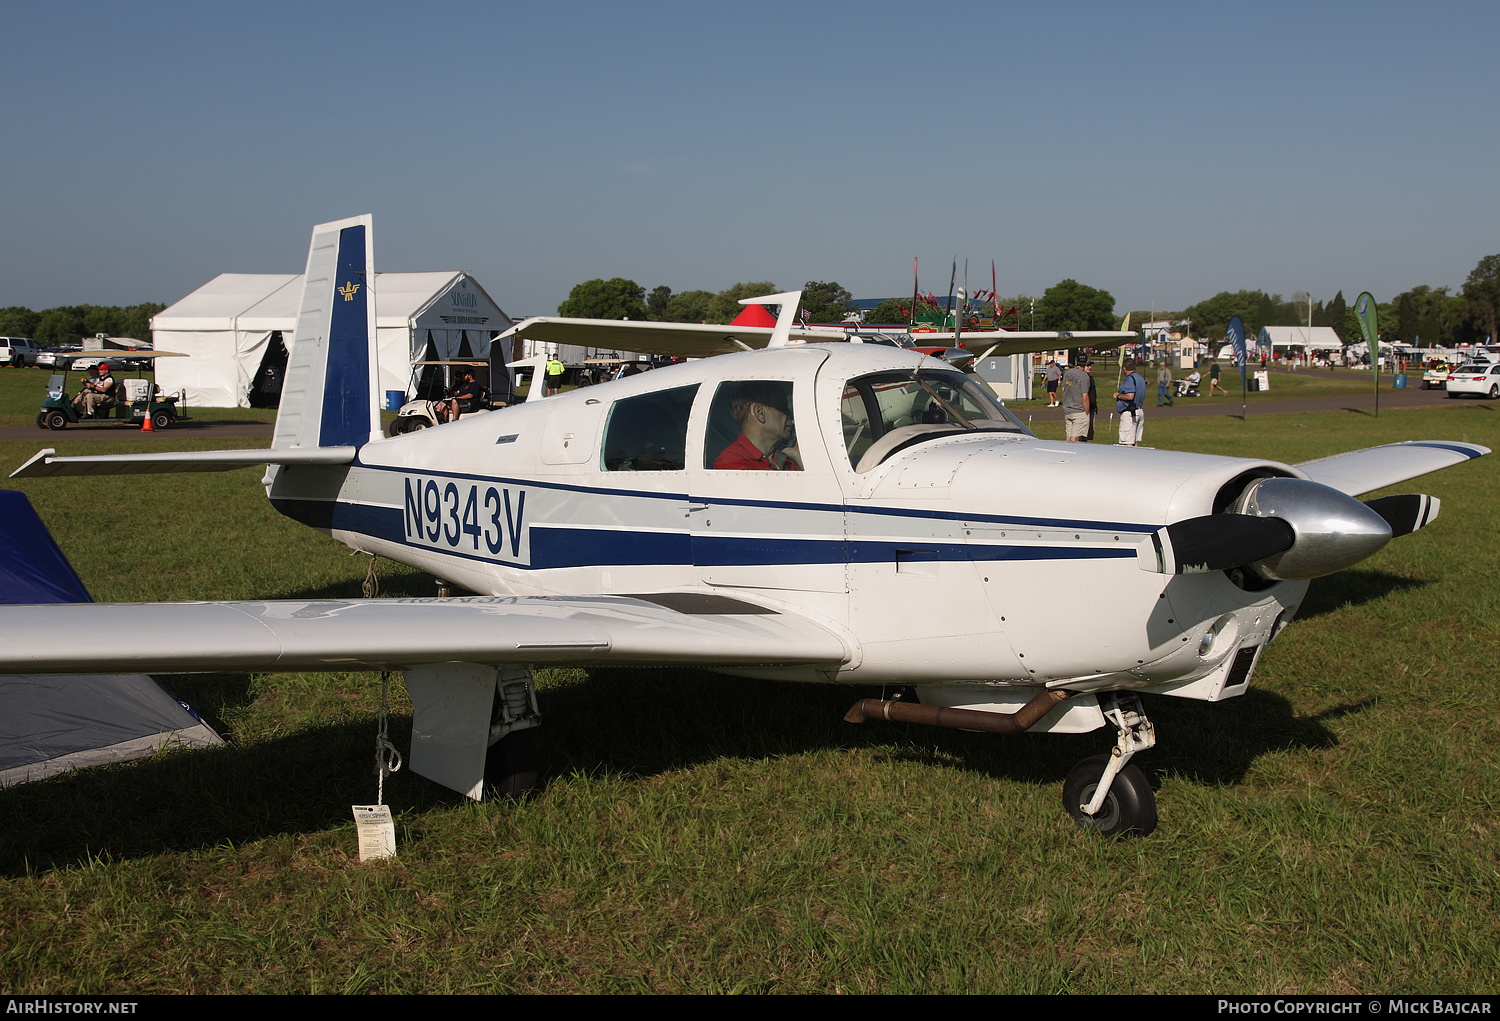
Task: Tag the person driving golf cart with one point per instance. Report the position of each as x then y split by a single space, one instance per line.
464 398
98 391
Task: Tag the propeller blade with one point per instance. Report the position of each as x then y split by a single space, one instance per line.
1215 542
1406 513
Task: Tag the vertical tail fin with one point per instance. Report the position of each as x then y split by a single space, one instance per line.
330 397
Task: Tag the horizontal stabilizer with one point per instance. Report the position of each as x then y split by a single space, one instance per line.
389 634
46 464
1363 471
1406 513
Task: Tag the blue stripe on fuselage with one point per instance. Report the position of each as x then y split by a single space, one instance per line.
554 547
832 508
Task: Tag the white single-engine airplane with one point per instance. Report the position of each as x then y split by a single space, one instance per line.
622 524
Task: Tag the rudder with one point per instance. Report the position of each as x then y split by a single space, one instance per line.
330 395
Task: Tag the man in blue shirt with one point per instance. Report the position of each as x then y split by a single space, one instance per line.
1130 401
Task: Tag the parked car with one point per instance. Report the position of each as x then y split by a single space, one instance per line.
58 356
1475 378
18 351
119 360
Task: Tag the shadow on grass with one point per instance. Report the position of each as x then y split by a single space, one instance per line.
193 799
631 723
669 720
1352 588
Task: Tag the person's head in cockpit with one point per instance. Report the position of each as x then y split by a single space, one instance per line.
760 409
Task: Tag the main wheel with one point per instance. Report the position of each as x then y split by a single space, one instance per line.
1495 391
41 420
1129 810
418 422
56 420
161 420
510 766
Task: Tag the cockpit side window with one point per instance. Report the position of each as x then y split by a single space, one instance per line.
648 432
881 402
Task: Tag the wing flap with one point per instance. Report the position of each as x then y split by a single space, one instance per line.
386 634
1363 471
46 463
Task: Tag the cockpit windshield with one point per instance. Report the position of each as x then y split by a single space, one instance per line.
877 405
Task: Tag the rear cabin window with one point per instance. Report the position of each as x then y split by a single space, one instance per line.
648 433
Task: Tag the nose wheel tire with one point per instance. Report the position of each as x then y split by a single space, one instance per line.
1129 810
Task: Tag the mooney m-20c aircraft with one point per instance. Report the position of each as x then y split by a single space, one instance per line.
795 511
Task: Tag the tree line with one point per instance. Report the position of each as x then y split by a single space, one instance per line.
69 324
619 298
1423 315
1067 305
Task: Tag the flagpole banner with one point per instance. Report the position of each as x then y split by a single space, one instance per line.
1369 327
1236 334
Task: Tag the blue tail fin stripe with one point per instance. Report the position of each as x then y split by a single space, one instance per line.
346 382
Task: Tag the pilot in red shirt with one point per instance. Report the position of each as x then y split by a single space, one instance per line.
760 410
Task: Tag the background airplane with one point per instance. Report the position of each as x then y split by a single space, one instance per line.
604 528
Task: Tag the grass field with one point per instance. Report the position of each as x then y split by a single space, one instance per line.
1332 831
22 391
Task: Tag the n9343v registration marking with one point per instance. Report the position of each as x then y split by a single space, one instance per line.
466 517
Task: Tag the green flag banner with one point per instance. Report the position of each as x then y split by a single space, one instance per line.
1364 311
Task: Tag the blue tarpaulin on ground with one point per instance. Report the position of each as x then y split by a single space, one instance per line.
32 568
52 724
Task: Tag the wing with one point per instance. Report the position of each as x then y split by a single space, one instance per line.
387 634
684 340
1362 471
453 651
1019 342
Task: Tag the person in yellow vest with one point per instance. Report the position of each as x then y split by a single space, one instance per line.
554 376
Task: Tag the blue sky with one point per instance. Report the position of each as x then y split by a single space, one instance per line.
1162 152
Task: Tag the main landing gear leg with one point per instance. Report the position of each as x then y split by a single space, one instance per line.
510 763
1105 792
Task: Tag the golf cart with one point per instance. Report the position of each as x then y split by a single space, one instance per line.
432 382
134 401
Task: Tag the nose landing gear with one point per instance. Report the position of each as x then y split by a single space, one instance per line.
1105 792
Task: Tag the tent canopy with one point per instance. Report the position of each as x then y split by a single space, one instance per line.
226 328
1313 338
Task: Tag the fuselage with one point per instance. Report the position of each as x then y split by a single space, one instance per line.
953 557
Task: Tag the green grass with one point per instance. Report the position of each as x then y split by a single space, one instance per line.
22 392
1332 831
1285 386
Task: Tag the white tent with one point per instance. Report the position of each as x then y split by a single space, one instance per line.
237 325
1310 338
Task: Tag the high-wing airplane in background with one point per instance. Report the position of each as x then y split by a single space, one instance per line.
623 524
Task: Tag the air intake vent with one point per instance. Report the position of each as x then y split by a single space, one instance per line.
1239 673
